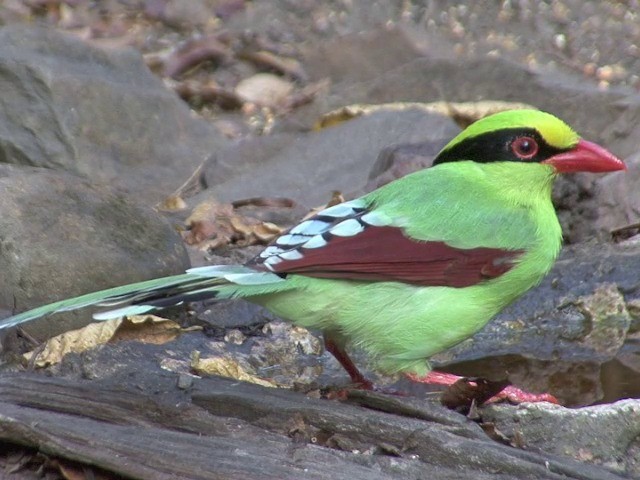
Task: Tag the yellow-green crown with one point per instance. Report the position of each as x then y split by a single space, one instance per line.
554 131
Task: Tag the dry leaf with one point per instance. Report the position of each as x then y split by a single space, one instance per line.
213 224
147 329
74 341
466 392
199 92
193 53
225 367
172 203
463 113
285 65
195 184
77 471
143 328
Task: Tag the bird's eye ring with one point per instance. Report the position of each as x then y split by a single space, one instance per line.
525 148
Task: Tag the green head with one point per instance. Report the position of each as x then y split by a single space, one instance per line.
530 137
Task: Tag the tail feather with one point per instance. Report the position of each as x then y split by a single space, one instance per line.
143 297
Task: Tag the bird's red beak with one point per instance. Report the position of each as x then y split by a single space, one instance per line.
585 157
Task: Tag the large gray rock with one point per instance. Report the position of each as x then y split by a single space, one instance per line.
425 69
605 435
308 167
98 113
607 117
559 336
61 236
618 197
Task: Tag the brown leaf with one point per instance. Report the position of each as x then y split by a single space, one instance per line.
192 186
463 113
73 341
146 329
284 65
210 220
264 202
226 367
172 203
76 471
198 92
307 94
465 392
219 224
143 328
624 233
193 53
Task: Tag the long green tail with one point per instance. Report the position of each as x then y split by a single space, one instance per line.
142 297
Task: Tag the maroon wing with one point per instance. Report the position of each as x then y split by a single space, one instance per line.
383 253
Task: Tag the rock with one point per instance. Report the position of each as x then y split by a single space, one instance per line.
178 14
308 167
605 435
618 197
264 89
98 113
399 160
601 116
577 205
414 73
558 336
60 236
360 57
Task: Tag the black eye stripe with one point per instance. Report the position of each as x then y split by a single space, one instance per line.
496 146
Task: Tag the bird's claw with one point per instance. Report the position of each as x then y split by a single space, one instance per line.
460 390
515 395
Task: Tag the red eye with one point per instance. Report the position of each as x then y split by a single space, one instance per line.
525 148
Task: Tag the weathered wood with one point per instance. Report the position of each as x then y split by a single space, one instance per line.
233 430
452 445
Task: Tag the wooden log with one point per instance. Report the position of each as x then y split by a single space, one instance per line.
225 429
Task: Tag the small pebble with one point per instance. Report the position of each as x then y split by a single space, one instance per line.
185 381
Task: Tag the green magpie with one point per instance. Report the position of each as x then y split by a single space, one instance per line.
410 269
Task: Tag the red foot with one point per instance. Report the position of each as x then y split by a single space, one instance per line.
508 393
515 395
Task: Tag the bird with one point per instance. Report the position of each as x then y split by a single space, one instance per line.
410 269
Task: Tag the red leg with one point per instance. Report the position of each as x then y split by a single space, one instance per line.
342 357
435 378
509 393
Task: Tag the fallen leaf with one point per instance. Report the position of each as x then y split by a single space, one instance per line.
213 224
225 367
463 113
465 392
172 203
73 471
195 184
624 233
269 60
209 92
142 328
74 341
147 329
193 53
